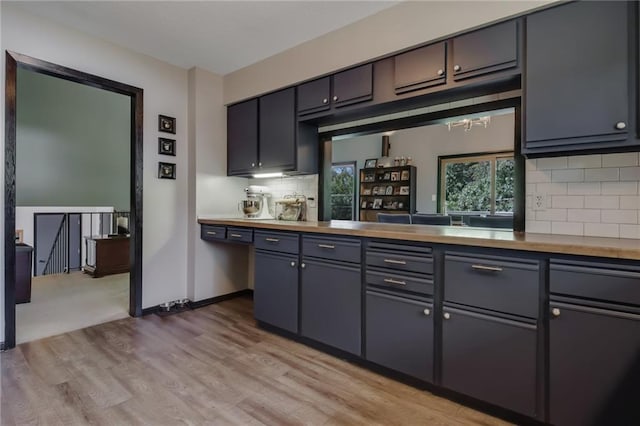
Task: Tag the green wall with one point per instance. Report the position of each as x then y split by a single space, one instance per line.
72 144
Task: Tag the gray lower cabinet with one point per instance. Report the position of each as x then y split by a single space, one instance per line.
490 358
594 356
399 334
275 294
330 303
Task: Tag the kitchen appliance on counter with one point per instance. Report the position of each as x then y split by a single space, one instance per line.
292 207
256 205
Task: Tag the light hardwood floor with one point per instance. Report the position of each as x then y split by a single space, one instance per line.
203 367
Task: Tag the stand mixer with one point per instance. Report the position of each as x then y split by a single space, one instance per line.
256 205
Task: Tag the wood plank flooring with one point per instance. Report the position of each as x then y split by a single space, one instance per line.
210 366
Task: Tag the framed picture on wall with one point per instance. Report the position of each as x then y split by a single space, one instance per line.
166 146
166 124
166 170
370 163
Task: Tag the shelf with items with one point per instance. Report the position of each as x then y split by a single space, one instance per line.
388 190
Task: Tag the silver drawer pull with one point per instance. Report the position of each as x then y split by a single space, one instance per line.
427 311
392 281
211 233
272 240
327 246
235 235
395 262
487 268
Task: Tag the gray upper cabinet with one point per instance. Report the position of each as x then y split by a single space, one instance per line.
420 68
277 126
485 51
242 137
579 83
341 89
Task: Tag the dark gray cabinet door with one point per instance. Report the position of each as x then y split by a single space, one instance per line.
420 68
577 77
400 334
314 96
330 304
490 358
485 51
278 130
275 294
594 359
353 85
242 137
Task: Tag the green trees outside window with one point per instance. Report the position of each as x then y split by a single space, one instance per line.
343 184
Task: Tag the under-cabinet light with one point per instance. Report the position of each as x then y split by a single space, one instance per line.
268 175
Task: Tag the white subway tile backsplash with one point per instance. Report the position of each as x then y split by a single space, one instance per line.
586 188
530 164
630 202
602 174
538 176
583 215
585 161
630 173
620 160
538 226
620 216
567 201
601 202
630 231
568 175
602 230
551 188
619 188
552 214
567 228
551 163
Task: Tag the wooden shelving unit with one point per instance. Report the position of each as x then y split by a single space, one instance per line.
386 190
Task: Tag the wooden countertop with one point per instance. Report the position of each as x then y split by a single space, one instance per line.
619 248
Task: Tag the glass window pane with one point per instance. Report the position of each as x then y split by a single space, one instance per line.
468 187
342 190
505 181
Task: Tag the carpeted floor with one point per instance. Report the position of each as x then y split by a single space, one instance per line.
67 302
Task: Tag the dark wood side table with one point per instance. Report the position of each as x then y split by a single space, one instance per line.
107 255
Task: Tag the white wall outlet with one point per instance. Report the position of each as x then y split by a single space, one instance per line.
539 201
433 197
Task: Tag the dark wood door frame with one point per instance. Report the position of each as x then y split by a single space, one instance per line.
13 61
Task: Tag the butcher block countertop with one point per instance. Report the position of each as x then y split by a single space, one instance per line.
619 248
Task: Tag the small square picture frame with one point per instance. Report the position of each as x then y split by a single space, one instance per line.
404 175
404 190
166 170
386 176
395 176
371 163
364 204
377 203
389 190
167 146
366 191
166 124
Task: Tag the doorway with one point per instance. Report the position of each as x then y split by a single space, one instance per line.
15 61
56 243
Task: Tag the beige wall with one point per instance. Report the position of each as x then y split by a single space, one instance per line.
407 24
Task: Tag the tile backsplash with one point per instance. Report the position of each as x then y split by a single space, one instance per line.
592 195
301 185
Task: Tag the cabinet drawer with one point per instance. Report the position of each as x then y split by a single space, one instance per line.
400 261
212 232
595 281
240 235
502 284
277 241
342 249
395 280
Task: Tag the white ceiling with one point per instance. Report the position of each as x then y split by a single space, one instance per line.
219 36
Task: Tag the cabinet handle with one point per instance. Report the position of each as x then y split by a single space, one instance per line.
211 233
260 164
555 312
427 311
293 264
272 240
440 72
235 235
621 125
253 164
327 246
335 98
395 262
457 68
325 101
302 265
446 315
487 268
392 281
